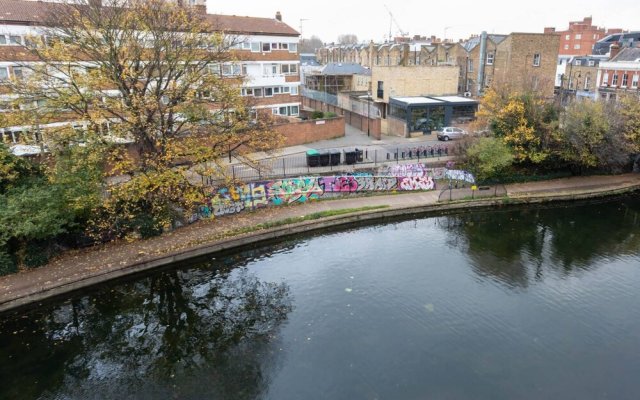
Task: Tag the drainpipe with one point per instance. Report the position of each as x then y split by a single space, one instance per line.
483 55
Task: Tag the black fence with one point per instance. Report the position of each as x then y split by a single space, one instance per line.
327 160
460 190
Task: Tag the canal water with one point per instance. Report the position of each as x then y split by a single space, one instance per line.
512 304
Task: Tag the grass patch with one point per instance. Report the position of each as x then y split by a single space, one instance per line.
295 220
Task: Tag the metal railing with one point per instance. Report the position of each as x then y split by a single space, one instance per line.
461 190
343 159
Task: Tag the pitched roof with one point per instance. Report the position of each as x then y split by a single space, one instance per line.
344 69
628 54
36 12
248 25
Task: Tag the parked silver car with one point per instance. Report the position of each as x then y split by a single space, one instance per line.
450 132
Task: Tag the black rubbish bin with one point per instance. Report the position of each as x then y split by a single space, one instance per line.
334 157
313 158
359 156
350 157
325 158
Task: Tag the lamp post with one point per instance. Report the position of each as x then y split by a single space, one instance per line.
368 105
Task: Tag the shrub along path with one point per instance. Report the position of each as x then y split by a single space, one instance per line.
91 263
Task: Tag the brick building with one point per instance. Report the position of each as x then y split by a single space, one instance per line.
620 75
580 37
519 59
266 61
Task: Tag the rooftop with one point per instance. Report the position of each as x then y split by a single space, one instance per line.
38 12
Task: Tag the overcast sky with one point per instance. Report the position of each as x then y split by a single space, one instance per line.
459 18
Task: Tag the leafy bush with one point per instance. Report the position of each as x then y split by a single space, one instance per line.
7 263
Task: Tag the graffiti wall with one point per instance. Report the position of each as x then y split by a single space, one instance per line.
277 192
419 170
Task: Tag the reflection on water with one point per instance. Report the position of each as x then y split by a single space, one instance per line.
527 304
508 244
151 339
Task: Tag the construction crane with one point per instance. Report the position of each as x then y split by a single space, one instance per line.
392 20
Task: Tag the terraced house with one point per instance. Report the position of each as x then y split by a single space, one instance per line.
264 60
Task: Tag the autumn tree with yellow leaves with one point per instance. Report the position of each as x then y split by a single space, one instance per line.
150 71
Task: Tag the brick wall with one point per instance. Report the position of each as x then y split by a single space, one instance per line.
302 132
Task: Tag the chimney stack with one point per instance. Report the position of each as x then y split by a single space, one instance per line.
279 16
614 50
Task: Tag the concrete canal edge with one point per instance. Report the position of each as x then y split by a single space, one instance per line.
283 232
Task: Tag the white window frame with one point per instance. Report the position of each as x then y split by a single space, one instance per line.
265 45
536 59
293 47
3 40
276 90
12 40
625 80
257 92
578 36
286 90
566 47
567 37
294 90
6 73
605 79
576 47
577 62
268 92
256 47
634 80
592 63
614 80
490 58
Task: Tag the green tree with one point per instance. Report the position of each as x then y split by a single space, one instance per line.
488 157
590 138
153 70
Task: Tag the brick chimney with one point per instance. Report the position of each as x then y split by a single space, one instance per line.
549 30
279 16
614 50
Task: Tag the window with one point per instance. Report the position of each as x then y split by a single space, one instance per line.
268 92
614 82
270 69
3 39
490 57
276 90
266 47
4 74
470 65
15 39
17 72
587 82
577 62
284 46
625 80
566 47
214 69
244 69
634 81
293 47
285 68
294 110
567 37
247 92
294 90
246 46
286 89
605 79
578 36
592 63
576 47
282 110
536 60
257 92
274 46
255 47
